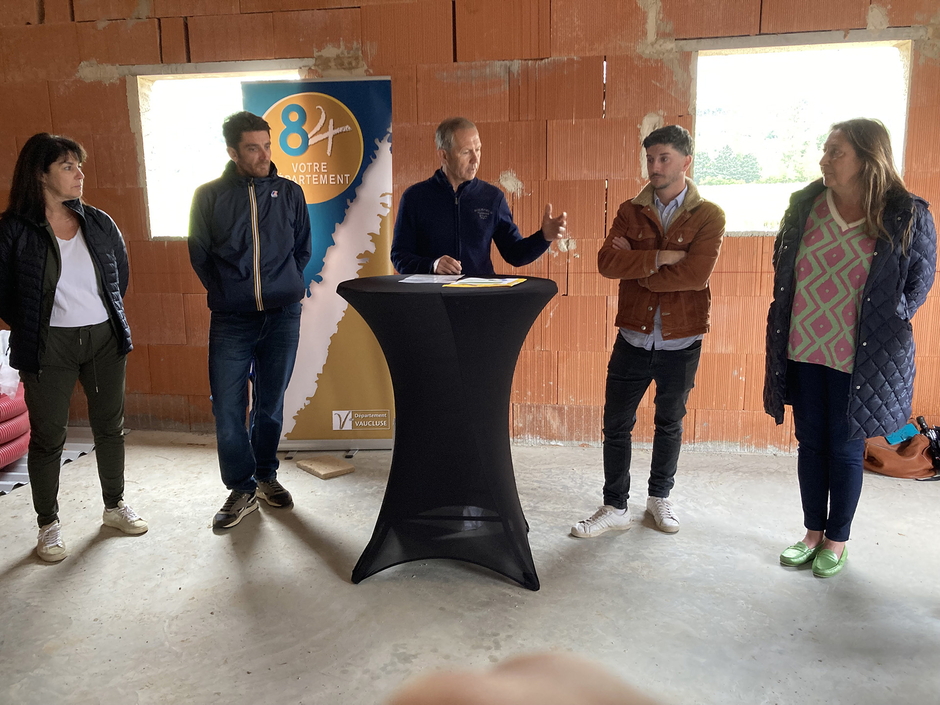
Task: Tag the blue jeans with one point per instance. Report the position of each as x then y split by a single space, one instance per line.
829 464
259 346
630 372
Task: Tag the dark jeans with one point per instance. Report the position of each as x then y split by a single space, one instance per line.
829 465
260 346
629 374
92 356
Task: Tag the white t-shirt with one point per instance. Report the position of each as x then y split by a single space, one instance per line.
77 297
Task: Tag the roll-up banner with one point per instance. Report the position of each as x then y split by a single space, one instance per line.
334 139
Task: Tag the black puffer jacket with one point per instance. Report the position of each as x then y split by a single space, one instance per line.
882 385
30 265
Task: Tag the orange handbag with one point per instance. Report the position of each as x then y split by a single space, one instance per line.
910 459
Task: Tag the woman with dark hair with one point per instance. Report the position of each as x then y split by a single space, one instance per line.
853 261
63 274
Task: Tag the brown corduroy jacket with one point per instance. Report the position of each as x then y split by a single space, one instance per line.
681 289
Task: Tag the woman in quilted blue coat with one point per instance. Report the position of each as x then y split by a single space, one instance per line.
853 261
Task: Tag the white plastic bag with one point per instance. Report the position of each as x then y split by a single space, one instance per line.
9 378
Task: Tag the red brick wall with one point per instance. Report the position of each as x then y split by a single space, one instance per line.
529 72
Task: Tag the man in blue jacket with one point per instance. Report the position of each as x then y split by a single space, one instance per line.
445 225
249 241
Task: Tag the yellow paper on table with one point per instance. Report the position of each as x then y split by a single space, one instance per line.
480 282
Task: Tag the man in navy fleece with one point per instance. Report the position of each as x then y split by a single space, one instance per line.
445 225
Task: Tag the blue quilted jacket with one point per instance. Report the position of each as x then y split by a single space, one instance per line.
883 378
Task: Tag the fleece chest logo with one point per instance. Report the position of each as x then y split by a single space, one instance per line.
274 194
483 213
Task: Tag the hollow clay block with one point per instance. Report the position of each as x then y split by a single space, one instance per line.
325 466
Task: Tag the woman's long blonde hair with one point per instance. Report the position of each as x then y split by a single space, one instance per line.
878 177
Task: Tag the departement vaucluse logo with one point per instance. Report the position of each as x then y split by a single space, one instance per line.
362 420
316 142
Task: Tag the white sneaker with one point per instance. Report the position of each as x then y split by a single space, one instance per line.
50 546
663 514
124 518
603 520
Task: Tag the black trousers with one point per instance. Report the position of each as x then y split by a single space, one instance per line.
92 356
630 372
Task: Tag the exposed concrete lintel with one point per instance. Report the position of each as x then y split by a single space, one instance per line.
770 41
213 68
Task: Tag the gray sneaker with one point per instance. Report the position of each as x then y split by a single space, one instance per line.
273 493
236 506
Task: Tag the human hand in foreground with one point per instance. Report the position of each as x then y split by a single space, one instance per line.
448 265
546 679
554 228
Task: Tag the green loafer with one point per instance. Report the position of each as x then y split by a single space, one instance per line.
799 553
825 565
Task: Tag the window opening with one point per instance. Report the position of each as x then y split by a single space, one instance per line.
181 123
763 115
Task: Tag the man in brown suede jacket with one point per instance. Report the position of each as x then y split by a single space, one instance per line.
662 247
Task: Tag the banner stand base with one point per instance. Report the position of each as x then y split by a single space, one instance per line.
346 446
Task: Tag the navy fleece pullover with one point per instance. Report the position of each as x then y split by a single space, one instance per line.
434 221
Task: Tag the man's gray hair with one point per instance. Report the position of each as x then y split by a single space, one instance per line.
444 135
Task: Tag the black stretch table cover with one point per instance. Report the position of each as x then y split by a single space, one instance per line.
451 353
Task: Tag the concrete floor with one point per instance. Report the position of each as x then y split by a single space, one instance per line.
266 613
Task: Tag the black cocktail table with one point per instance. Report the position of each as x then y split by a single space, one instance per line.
451 353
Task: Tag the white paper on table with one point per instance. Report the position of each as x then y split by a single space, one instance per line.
431 278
